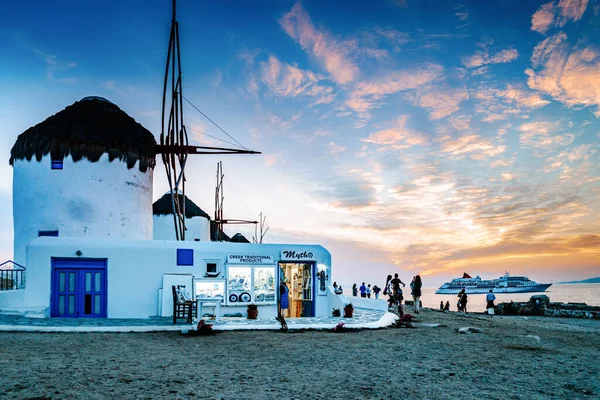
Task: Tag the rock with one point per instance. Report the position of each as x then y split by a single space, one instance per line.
470 329
544 300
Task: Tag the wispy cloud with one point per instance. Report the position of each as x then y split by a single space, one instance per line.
483 57
543 18
273 159
399 136
543 135
334 148
118 88
522 98
290 81
395 38
552 14
571 76
470 145
440 102
320 44
55 67
366 95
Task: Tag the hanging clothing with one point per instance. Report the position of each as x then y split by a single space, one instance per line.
285 300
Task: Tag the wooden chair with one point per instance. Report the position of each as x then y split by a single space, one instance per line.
187 309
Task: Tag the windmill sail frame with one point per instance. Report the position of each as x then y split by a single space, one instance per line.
174 146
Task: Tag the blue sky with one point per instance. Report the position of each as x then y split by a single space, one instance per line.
423 137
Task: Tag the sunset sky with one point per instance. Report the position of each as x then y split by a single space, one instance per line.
430 137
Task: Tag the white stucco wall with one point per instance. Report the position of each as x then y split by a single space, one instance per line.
197 228
340 301
135 270
84 199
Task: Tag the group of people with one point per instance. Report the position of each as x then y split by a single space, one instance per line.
394 291
366 290
461 304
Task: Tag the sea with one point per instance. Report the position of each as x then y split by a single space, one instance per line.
588 293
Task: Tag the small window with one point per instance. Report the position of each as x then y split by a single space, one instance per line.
56 164
48 233
211 267
185 257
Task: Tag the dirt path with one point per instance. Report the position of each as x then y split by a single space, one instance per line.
513 358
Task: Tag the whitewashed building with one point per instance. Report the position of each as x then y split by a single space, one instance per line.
84 172
94 246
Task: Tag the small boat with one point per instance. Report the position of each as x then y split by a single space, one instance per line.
504 284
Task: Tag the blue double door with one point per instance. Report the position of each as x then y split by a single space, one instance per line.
78 288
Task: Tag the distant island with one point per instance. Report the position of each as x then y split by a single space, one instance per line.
590 280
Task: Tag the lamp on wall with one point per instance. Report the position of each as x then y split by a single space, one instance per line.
78 253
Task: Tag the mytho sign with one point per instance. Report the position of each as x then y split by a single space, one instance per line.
249 259
297 255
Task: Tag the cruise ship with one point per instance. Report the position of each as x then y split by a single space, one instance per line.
504 284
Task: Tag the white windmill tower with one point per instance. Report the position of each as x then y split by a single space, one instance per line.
83 172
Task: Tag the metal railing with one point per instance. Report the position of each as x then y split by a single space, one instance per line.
12 276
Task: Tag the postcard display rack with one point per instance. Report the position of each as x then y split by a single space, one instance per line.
250 279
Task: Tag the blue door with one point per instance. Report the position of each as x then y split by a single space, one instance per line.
78 288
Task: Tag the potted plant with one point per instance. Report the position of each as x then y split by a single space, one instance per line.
348 310
252 311
336 312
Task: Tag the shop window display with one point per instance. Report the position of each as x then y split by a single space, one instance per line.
264 284
250 284
238 285
209 289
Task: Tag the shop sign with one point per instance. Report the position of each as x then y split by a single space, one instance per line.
249 259
297 255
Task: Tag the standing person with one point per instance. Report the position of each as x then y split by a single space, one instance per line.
415 286
396 282
490 297
447 306
335 285
463 301
354 290
369 291
363 290
459 302
442 305
389 290
376 290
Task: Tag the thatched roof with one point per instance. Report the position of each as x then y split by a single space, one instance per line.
163 206
239 238
213 233
88 128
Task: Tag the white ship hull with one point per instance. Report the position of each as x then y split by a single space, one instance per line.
474 290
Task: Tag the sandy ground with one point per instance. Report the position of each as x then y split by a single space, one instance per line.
419 363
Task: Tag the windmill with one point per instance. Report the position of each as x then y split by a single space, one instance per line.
174 146
220 221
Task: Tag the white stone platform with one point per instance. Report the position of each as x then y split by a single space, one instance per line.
363 319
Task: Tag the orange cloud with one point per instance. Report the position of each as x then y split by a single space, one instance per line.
290 81
570 76
397 137
320 44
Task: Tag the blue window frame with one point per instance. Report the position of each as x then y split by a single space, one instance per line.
56 164
48 233
185 257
